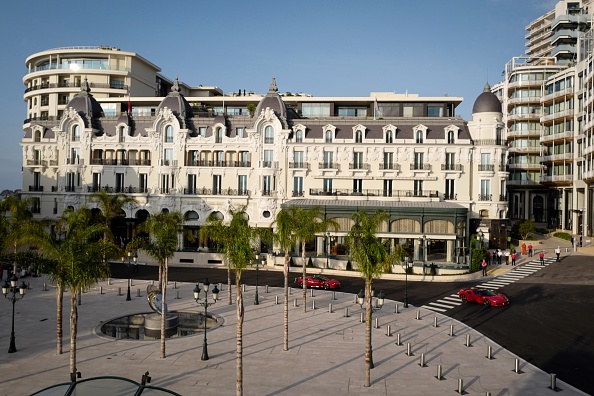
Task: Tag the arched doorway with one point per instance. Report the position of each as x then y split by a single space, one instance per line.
538 209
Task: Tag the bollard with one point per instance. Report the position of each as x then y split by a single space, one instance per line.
333 295
408 349
377 323
294 302
388 332
468 340
435 321
489 353
220 287
330 308
355 301
109 281
44 287
553 382
276 300
451 330
137 292
131 282
422 360
266 290
243 287
177 295
418 315
290 290
100 289
313 305
361 318
398 339
119 291
346 312
517 368
396 308
79 298
152 283
175 285
460 386
438 376
311 293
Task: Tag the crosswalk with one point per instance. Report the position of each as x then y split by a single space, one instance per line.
519 272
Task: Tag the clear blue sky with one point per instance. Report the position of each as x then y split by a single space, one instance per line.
325 48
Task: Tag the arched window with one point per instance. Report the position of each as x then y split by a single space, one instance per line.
219 135
169 134
76 133
451 137
358 136
328 136
299 136
269 135
121 133
419 137
191 215
37 137
389 137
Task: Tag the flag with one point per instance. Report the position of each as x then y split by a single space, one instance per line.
129 105
376 109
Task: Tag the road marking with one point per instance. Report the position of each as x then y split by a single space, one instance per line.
497 282
453 300
488 286
441 305
433 308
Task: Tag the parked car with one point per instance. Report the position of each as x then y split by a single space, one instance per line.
318 282
487 297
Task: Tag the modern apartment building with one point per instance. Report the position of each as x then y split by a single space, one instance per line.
202 152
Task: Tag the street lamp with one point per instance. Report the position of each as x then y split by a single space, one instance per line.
135 257
12 287
205 304
256 300
406 262
379 303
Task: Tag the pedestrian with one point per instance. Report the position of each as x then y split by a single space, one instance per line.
484 267
558 253
513 257
573 242
488 257
581 241
506 257
529 250
541 255
499 254
524 248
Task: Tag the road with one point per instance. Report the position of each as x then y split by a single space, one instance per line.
549 322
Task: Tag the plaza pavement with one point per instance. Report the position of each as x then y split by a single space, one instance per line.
326 354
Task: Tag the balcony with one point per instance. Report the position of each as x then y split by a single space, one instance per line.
141 162
450 197
75 161
528 133
451 167
524 149
268 164
223 191
328 165
485 197
521 183
373 192
113 85
34 162
524 166
557 179
36 188
556 137
269 140
298 165
489 142
486 168
167 162
297 194
420 167
227 164
563 157
558 114
389 166
358 165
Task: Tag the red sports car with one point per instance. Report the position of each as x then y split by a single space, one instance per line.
483 296
318 282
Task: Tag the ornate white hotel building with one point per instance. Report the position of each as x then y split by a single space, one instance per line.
99 118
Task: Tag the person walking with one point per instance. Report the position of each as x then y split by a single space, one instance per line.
507 257
513 257
484 267
488 257
581 245
541 255
499 254
524 248
529 250
558 253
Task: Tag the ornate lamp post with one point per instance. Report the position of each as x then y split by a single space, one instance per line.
12 287
406 267
135 257
256 300
327 240
205 304
379 303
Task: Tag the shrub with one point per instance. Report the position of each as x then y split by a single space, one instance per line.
563 235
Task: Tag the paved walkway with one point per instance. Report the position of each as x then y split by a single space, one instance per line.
326 353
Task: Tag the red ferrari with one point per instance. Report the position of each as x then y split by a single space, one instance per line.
487 297
318 282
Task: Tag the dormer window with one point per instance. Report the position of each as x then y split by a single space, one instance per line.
358 136
451 137
37 136
76 133
169 134
299 136
121 133
419 137
219 135
389 137
328 136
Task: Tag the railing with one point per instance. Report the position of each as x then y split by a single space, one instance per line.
373 192
450 197
557 157
451 167
269 140
502 197
298 165
75 85
425 167
389 166
521 182
268 164
486 168
143 162
489 142
209 191
165 162
34 162
328 165
485 197
74 161
298 194
556 178
69 189
36 188
358 165
229 164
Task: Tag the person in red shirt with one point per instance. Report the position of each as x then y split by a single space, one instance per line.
529 250
513 257
484 267
541 255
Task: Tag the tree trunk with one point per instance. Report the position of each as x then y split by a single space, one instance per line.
73 329
239 351
286 307
368 350
229 294
163 309
303 276
59 306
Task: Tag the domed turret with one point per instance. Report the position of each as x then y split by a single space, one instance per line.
177 103
273 101
85 104
487 102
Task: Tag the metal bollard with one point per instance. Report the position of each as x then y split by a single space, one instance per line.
435 321
388 331
243 287
266 290
333 295
109 281
294 302
422 360
361 318
438 376
313 305
131 282
220 287
152 283
346 312
311 292
44 287
377 323
137 292
177 295
28 285
398 339
330 308
100 289
119 291
290 290
408 349
276 300
467 340
460 386
517 368
489 353
553 382
175 285
451 330
418 315
396 308
355 300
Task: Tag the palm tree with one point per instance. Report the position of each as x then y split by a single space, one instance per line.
13 231
111 206
308 223
75 263
240 253
220 234
163 229
373 259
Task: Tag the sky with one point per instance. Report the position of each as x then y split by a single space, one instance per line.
321 47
